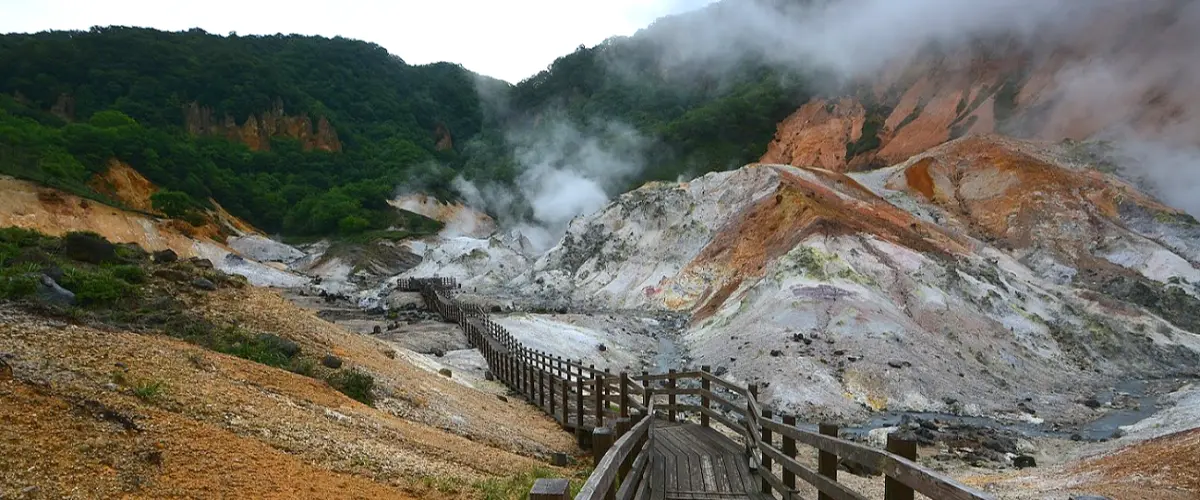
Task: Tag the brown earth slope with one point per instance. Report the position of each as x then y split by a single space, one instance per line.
83 420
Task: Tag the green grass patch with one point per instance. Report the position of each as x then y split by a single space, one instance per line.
354 383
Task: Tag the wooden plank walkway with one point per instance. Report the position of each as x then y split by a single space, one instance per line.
693 462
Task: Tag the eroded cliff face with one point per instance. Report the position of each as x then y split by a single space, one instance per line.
1128 74
257 131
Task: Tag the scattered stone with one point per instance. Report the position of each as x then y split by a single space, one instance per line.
1089 497
331 361
165 256
390 354
775 353
899 364
839 352
6 371
1092 403
502 398
377 330
201 263
1076 437
437 353
49 291
172 275
721 370
602 347
204 284
559 460
1024 462
445 372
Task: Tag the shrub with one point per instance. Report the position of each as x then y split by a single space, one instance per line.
20 237
89 247
129 273
355 384
96 288
17 284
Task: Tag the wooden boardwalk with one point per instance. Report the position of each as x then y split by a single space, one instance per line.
692 462
639 454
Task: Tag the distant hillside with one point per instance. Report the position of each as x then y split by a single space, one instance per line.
322 129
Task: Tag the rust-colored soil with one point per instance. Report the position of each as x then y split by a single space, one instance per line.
1164 468
807 202
65 448
225 426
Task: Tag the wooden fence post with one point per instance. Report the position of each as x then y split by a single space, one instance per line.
566 403
580 431
789 449
550 489
598 392
550 396
646 384
893 489
827 463
766 459
624 392
541 388
671 395
602 440
707 386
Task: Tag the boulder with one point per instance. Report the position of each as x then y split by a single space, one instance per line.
172 275
201 263
445 372
204 284
50 292
331 361
165 256
1024 462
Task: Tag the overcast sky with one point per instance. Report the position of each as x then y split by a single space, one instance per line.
507 39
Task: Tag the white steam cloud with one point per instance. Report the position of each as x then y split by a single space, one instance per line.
570 169
567 170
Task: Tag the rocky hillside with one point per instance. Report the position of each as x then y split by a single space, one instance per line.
1116 71
129 374
989 276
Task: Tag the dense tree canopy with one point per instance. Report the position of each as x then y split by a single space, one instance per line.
130 86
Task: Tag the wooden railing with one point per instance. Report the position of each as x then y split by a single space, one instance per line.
613 415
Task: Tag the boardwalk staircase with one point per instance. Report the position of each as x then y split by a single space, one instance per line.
679 435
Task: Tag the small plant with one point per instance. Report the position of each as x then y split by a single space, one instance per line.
356 384
149 390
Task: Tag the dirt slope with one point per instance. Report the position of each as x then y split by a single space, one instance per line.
221 424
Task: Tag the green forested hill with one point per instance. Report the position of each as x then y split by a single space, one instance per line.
130 86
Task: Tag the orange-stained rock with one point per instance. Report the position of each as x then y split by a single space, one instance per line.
125 185
816 135
1127 71
256 132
